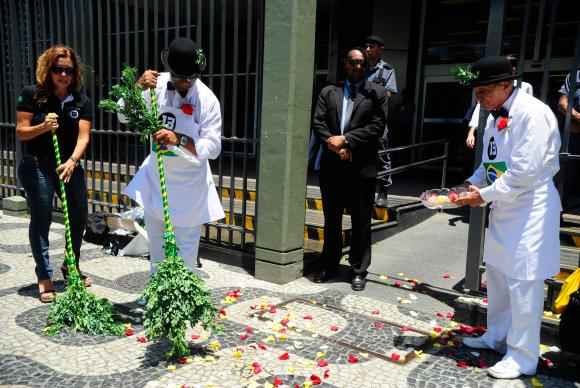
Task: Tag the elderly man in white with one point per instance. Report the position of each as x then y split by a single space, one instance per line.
520 158
192 135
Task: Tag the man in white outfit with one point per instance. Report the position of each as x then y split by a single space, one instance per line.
522 248
192 135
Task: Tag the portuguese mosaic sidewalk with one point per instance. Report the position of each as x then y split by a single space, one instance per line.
296 335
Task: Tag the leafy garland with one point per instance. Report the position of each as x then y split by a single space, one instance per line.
464 75
77 308
175 295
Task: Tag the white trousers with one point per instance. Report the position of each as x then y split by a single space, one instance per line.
514 318
187 241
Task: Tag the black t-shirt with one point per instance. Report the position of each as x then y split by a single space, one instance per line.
76 107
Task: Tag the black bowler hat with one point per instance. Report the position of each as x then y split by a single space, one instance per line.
374 39
183 58
489 70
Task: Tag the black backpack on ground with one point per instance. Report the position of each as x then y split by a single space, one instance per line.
97 231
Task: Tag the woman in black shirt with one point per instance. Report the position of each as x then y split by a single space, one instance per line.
57 90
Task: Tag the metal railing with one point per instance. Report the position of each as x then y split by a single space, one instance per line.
110 33
412 147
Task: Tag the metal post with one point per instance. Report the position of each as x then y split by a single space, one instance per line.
476 236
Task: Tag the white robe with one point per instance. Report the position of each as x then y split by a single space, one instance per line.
516 176
193 199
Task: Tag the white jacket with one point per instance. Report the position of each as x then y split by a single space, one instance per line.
192 196
516 176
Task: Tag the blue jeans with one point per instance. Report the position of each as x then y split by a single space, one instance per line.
40 183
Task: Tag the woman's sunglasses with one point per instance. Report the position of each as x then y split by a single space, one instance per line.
61 69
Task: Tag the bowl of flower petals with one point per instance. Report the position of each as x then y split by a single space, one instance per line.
442 198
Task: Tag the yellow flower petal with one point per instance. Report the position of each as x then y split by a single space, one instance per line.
536 383
171 368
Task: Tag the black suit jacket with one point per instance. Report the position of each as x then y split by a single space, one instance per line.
366 125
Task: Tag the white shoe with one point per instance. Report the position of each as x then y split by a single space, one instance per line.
505 369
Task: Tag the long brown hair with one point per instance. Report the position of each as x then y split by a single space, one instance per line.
48 59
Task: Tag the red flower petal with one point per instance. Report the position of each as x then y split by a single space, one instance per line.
244 336
326 374
395 356
484 300
437 329
315 380
450 315
195 337
308 317
273 309
182 360
405 328
142 339
376 312
446 275
256 367
284 322
187 109
277 381
284 356
322 363
223 312
378 325
440 315
352 359
262 346
333 327
249 329
129 332
462 364
397 283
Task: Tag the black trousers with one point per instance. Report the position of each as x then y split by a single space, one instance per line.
347 190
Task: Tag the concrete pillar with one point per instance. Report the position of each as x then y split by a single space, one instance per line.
285 126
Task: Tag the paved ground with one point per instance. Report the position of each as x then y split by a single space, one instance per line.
300 334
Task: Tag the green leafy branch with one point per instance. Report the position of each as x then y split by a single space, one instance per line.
133 105
464 75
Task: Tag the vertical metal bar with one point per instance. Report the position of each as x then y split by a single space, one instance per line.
74 19
146 63
177 13
136 25
67 24
17 71
234 110
223 100
249 40
539 30
524 39
188 19
444 164
198 24
91 58
156 33
50 18
58 24
548 58
211 49
166 25
126 32
476 236
417 117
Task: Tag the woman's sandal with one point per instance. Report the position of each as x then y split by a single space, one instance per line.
47 296
86 280
46 292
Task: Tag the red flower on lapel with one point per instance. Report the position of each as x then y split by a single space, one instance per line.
502 123
187 109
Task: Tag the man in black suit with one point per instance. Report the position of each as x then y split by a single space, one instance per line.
348 122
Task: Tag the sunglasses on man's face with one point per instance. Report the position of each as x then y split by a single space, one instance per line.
61 69
178 77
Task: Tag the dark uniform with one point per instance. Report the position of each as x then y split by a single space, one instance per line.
37 172
384 75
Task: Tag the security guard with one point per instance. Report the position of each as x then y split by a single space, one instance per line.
382 73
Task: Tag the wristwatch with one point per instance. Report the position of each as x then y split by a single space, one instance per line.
183 140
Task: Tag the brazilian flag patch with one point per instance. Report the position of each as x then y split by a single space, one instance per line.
163 150
494 170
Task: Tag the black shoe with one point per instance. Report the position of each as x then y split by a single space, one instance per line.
382 199
359 283
324 276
